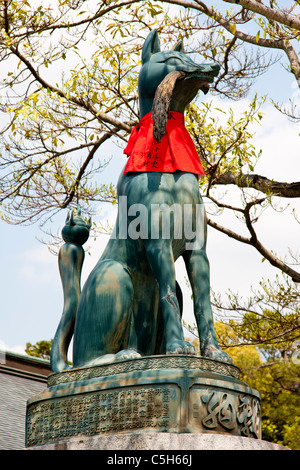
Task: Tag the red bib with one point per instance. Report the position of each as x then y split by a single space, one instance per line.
176 151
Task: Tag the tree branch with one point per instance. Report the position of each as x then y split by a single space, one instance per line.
253 241
97 15
229 232
6 23
269 13
228 24
261 183
80 102
83 168
253 5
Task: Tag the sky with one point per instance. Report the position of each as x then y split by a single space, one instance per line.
30 287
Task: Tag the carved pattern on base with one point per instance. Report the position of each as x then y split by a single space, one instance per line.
145 363
229 411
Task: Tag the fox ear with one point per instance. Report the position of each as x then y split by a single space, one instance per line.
151 46
178 47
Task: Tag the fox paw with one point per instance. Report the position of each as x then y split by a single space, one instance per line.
215 353
180 347
127 354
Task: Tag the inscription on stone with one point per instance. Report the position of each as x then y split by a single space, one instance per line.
128 409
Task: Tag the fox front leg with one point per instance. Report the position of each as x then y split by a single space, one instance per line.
159 254
197 266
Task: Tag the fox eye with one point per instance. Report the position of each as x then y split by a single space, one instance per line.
173 60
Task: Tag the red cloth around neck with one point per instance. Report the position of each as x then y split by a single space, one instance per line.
176 151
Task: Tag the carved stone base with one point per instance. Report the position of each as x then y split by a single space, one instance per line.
173 394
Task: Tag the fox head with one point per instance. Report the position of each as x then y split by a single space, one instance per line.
157 65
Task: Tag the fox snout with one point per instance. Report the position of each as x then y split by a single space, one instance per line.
178 61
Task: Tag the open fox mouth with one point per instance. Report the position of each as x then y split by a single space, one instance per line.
204 78
201 77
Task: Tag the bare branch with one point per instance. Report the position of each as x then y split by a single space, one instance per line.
261 183
270 13
253 241
84 167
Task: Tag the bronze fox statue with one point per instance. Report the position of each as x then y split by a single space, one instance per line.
131 304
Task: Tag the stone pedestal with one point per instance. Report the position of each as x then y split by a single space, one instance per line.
181 442
159 394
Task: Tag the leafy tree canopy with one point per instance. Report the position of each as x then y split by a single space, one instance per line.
41 349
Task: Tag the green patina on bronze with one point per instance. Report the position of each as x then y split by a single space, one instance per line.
132 369
131 304
71 256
